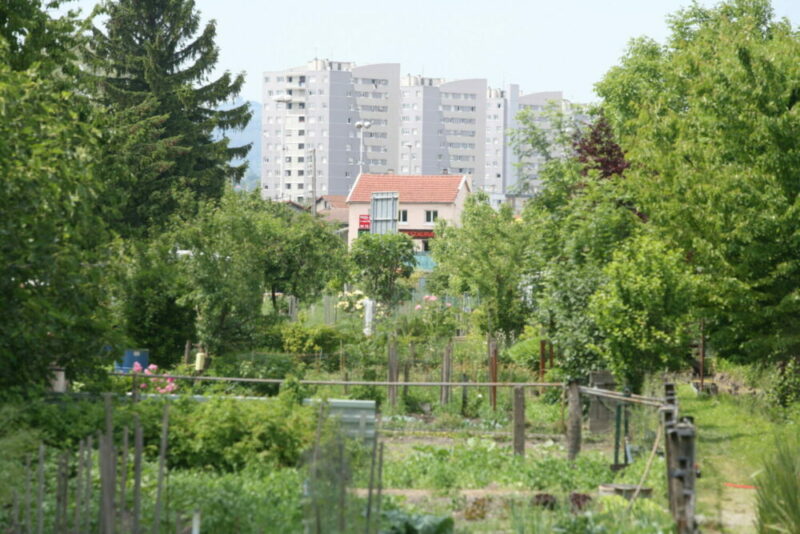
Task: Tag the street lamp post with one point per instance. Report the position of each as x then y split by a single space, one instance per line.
409 146
361 126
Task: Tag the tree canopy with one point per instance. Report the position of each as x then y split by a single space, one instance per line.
710 122
151 67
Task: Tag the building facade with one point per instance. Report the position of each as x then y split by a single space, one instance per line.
327 121
422 200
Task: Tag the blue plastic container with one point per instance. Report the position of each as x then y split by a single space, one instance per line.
132 356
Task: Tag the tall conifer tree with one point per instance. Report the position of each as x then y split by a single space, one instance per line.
151 60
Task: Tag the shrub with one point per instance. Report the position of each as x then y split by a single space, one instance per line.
252 500
227 434
778 488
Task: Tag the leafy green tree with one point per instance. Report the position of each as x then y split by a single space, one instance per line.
484 256
710 123
643 310
33 35
148 286
307 257
52 253
151 66
234 248
381 262
576 221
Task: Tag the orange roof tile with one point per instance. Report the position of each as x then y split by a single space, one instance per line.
437 188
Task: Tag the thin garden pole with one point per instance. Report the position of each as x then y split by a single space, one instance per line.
88 483
519 421
574 421
79 466
123 477
27 499
371 481
162 461
40 492
61 493
138 447
15 526
380 490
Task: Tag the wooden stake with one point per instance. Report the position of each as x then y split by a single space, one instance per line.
138 450
380 490
542 349
162 465
371 483
26 516
519 421
88 485
40 492
702 354
123 480
574 420
79 468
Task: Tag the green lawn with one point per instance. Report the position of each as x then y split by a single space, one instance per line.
734 432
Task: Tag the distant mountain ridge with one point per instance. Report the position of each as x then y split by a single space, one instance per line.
250 134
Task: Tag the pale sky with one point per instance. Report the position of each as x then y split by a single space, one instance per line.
541 45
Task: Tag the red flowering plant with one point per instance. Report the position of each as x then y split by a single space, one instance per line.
154 382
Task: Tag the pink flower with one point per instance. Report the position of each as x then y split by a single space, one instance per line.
143 386
433 298
137 367
170 380
448 304
153 367
148 372
418 307
426 298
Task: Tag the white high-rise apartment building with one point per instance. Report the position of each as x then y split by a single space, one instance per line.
313 121
325 122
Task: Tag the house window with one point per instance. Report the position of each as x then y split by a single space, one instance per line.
431 215
402 216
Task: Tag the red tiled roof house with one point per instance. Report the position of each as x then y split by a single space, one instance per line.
422 200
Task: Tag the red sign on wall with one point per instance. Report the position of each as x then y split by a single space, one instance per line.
419 234
363 222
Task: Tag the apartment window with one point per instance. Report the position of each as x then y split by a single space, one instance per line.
301 173
301 159
300 200
431 216
279 79
266 78
402 216
301 119
301 132
288 186
299 186
301 146
287 173
288 159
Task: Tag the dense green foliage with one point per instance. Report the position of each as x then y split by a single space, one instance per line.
52 250
151 60
243 248
380 263
710 122
484 256
444 468
778 488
